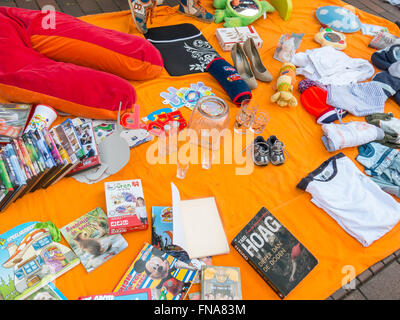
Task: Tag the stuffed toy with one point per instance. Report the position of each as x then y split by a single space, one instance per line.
230 11
284 84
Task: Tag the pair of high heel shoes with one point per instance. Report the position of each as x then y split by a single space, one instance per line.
247 62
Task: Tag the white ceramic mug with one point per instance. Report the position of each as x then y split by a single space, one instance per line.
42 117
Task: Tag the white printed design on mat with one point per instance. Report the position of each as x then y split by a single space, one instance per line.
203 52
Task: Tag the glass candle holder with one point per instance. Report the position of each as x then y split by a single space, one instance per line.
245 116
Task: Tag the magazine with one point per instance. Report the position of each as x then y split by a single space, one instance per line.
89 238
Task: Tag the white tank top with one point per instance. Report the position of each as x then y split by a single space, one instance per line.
356 202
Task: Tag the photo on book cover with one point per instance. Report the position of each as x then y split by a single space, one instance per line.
89 238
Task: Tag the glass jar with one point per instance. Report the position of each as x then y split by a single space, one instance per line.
208 119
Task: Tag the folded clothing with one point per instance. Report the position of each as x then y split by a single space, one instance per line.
360 99
327 65
390 125
361 207
352 134
383 59
387 59
382 163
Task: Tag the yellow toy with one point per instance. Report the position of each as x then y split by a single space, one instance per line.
284 84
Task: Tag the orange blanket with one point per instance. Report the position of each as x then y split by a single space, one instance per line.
239 197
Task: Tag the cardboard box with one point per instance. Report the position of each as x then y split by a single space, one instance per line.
227 37
126 209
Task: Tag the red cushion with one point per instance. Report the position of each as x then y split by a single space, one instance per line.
76 67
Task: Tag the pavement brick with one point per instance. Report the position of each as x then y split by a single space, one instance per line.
339 294
377 267
107 5
27 4
89 6
8 3
363 277
70 7
122 4
53 3
354 295
385 285
389 259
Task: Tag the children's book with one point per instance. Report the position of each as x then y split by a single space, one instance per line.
279 258
138 294
30 258
13 120
161 227
126 209
89 238
162 238
220 283
85 133
171 280
48 292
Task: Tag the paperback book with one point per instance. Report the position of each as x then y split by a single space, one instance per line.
162 238
171 280
279 258
48 292
220 283
88 236
30 258
138 294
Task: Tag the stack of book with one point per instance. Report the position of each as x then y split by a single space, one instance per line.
38 159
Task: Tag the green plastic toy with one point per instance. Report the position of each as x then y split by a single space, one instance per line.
240 13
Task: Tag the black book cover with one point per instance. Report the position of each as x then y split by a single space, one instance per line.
279 258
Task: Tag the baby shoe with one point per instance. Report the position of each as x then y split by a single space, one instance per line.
276 151
260 151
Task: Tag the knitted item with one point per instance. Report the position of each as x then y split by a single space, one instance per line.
313 99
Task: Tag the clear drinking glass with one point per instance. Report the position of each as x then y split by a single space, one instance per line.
181 169
245 116
259 122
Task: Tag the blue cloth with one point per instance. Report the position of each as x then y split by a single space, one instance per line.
382 164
